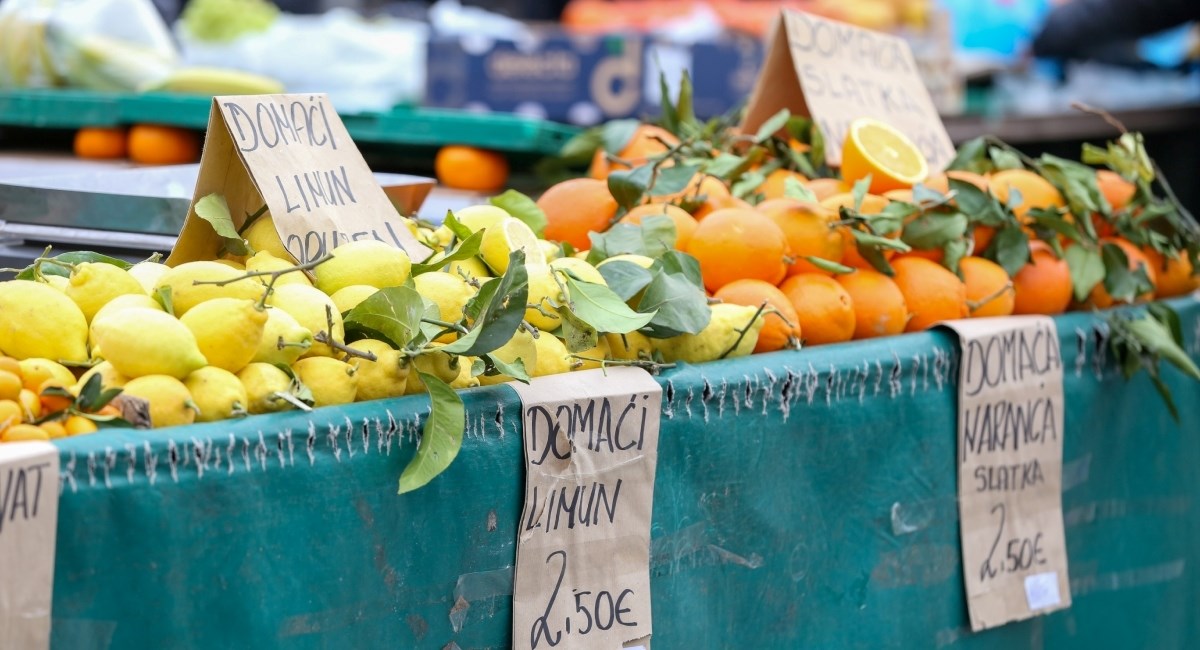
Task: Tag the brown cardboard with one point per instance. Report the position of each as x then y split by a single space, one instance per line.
293 154
1010 471
836 73
591 441
28 524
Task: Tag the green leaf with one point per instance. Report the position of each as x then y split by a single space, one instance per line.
617 134
599 307
726 165
891 219
497 309
428 331
1004 159
1087 269
929 198
972 157
625 278
1156 338
953 252
516 369
674 261
394 313
49 267
653 237
576 332
1169 318
683 107
1077 182
455 226
582 146
164 297
1053 220
523 209
678 306
213 209
861 187
828 265
466 249
873 255
628 186
441 438
934 230
1121 283
673 179
877 241
670 114
748 184
794 189
1010 248
979 206
772 125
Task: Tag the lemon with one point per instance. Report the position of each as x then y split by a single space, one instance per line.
142 342
640 260
57 281
331 381
592 357
262 236
170 402
442 236
37 320
505 237
283 339
109 377
717 337
543 289
386 376
579 268
449 292
265 262
478 217
550 250
876 149
464 378
128 301
148 273
231 263
433 362
552 356
263 383
185 294
227 330
308 306
470 268
366 261
35 372
348 298
218 394
631 346
520 346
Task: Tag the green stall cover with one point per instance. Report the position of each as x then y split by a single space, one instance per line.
803 499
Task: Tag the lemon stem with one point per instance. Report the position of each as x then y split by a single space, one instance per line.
976 304
307 266
291 399
457 327
652 366
742 332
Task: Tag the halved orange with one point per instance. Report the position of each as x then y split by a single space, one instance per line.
887 155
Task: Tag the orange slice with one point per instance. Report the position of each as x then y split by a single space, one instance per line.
887 155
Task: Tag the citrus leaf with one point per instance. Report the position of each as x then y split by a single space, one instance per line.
725 165
1052 220
1010 248
828 265
772 125
164 297
674 261
953 252
861 187
878 241
577 334
498 310
455 226
213 209
1087 269
441 438
934 230
1169 318
522 208
394 313
466 249
1004 159
677 305
599 307
652 238
1156 338
617 134
75 257
582 146
794 189
496 366
625 278
748 184
628 186
972 157
673 179
927 197
1122 283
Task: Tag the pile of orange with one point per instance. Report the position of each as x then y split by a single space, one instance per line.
145 144
37 402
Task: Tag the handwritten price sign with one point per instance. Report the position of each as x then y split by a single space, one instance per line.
583 548
1010 426
28 523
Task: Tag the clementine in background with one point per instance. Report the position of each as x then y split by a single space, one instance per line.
685 224
101 143
1174 273
644 144
576 207
1116 190
468 168
824 188
781 328
824 309
776 183
714 195
809 230
1043 285
1036 192
933 294
1101 298
151 144
879 307
736 244
989 290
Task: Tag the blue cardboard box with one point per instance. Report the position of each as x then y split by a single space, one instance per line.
723 72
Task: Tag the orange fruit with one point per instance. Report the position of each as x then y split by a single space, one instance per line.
23 433
53 403
685 224
809 231
1100 297
941 182
1036 192
824 309
1116 190
781 327
640 148
715 193
871 204
1043 285
54 429
11 365
904 196
576 207
776 183
989 289
1174 273
983 237
101 143
885 154
151 144
468 168
827 187
79 425
933 294
736 244
879 307
10 385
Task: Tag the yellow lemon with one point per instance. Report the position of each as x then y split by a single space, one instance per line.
543 290
331 381
366 261
478 217
506 236
228 331
308 306
170 402
93 284
35 372
185 293
717 338
449 292
592 357
57 281
471 268
640 260
550 250
348 298
464 378
109 377
262 236
265 262
142 342
434 362
37 320
578 268
386 376
520 346
217 393
552 356
264 383
148 273
631 346
283 339
119 303
231 263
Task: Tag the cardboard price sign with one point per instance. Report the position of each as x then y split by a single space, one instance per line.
583 543
1010 428
836 73
28 524
293 154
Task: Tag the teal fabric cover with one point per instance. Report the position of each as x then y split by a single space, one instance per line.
803 499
